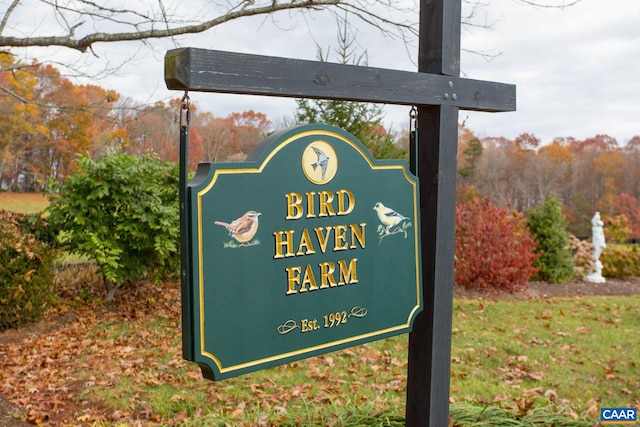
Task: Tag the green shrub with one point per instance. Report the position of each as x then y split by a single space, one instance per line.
619 262
549 226
493 248
25 273
122 212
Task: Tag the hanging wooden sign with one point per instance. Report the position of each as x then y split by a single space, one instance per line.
307 247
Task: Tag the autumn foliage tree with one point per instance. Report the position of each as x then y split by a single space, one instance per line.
627 206
153 130
45 121
493 248
588 175
39 140
230 138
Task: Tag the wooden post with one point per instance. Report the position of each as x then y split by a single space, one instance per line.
430 341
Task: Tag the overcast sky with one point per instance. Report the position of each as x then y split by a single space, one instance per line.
576 70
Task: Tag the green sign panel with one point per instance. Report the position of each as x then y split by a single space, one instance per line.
309 246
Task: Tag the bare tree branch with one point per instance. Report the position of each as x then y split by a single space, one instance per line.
147 26
83 23
80 24
551 4
7 15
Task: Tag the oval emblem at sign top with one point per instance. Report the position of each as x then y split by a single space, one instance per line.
319 162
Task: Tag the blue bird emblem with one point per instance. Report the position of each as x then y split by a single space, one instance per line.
322 161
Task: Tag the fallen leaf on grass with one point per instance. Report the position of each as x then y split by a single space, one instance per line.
532 391
83 418
537 375
524 405
239 411
591 407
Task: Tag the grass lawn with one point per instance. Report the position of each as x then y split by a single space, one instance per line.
23 202
520 363
543 362
574 350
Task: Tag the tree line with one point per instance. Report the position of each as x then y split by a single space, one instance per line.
594 174
46 121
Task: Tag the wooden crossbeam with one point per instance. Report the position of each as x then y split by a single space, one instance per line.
203 70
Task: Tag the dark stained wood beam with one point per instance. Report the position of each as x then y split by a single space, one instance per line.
203 70
429 355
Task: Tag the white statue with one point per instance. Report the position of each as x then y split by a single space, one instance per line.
598 246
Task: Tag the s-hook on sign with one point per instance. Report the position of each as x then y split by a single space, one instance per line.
307 247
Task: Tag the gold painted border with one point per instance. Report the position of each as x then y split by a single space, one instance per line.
259 169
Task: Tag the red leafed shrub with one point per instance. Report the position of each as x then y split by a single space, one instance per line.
493 248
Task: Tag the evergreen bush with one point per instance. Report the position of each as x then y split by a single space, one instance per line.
26 273
549 226
493 248
363 120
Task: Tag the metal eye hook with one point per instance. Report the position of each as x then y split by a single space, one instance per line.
413 118
413 113
185 112
413 139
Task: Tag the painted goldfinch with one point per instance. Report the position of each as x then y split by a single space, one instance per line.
387 216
